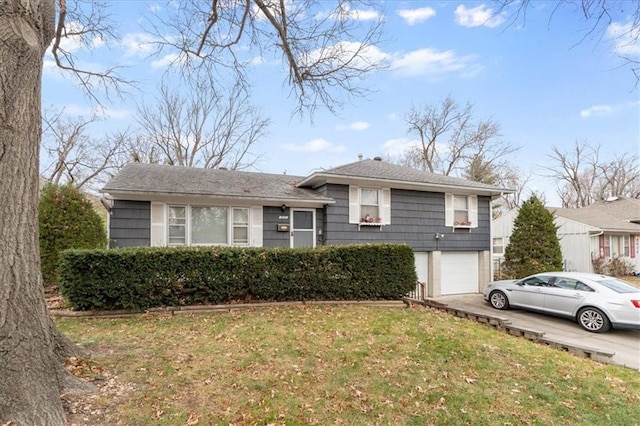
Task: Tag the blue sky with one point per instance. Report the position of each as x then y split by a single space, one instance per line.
544 82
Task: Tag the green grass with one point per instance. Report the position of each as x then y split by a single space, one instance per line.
346 365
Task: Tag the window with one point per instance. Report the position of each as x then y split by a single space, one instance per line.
626 246
208 225
583 287
498 246
240 226
615 246
537 281
461 211
177 225
370 205
606 246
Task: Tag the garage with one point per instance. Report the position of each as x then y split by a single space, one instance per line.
459 272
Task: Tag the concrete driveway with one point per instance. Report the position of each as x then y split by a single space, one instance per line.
624 344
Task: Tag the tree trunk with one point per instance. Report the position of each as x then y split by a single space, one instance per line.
30 371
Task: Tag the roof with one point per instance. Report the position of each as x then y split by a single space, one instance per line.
615 214
398 177
138 178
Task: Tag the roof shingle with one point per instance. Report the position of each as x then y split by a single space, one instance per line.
615 215
375 169
176 180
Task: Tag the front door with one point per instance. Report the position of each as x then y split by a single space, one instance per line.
303 228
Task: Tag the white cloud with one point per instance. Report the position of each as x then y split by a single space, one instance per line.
393 116
342 53
356 125
116 113
75 41
137 45
432 62
480 16
315 145
416 16
626 39
604 110
397 147
167 60
597 110
345 12
362 15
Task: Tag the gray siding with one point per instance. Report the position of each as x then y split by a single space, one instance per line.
415 219
129 224
270 219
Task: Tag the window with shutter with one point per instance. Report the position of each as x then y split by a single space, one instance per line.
461 211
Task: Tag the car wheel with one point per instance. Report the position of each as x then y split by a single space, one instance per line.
499 300
594 320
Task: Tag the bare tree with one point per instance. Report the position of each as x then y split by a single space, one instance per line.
199 126
72 155
583 178
325 59
450 142
515 180
326 48
617 19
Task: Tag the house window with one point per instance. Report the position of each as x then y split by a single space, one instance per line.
369 205
615 246
461 211
177 225
626 246
606 246
208 225
240 226
498 246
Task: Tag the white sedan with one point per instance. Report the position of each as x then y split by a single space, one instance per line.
596 302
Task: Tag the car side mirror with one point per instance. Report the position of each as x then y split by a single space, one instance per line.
520 283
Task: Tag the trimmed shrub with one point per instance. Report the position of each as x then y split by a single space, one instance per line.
142 278
66 219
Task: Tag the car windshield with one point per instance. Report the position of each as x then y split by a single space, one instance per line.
619 286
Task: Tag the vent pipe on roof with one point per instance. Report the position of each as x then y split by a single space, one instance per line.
360 157
377 158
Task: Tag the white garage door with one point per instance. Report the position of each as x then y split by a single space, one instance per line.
459 272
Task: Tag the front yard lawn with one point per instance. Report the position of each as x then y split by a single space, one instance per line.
347 365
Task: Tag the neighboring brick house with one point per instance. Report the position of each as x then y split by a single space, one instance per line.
606 230
445 220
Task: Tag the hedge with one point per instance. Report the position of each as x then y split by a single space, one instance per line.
143 278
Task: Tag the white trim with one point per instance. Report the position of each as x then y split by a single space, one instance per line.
157 228
256 226
173 198
385 206
354 204
449 210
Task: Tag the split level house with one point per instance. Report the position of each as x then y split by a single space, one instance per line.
446 220
605 230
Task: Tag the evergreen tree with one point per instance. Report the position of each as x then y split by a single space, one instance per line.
66 219
534 246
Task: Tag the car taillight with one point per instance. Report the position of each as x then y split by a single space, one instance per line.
636 303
